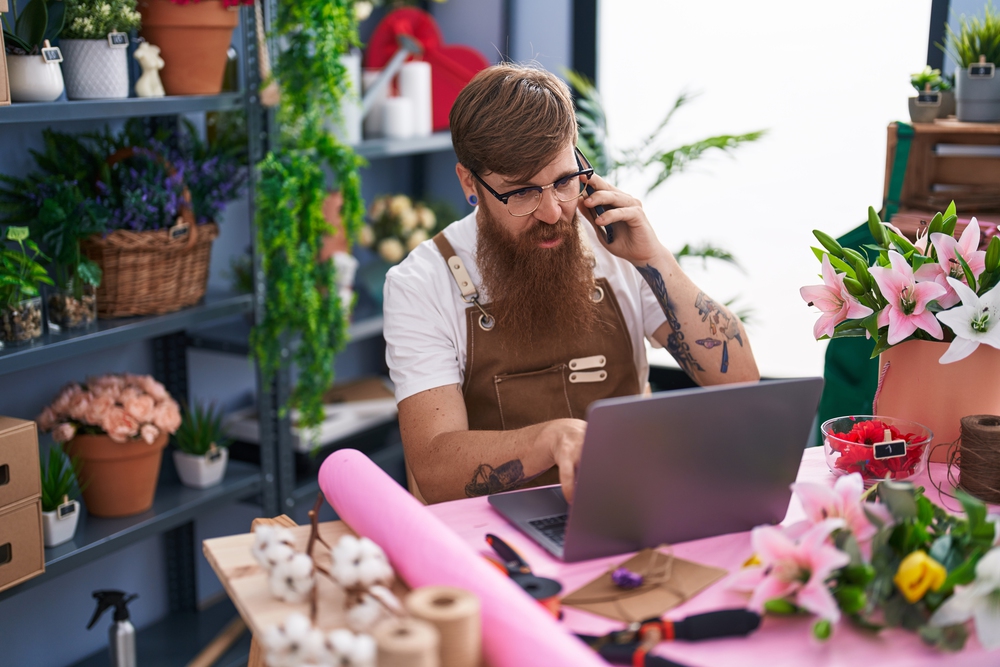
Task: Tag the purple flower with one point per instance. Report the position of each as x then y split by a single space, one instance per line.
626 578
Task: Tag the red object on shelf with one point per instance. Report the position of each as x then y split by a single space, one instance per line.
452 65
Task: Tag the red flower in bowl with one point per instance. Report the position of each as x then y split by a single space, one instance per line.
855 447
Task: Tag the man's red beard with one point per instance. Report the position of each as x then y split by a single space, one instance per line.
536 292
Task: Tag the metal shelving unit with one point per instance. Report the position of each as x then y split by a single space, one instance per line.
133 107
383 148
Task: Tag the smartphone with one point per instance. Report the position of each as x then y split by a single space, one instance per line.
609 230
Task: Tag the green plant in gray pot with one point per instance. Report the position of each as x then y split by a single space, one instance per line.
934 98
202 447
29 28
60 489
976 49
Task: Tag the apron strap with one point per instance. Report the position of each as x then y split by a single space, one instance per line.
457 268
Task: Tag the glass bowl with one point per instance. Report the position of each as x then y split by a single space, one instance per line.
848 443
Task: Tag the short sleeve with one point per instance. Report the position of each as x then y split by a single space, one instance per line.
420 348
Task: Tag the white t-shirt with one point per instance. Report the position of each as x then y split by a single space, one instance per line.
425 326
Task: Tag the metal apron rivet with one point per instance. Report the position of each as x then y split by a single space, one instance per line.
598 294
486 323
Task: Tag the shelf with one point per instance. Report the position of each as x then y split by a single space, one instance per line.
382 148
112 333
174 505
179 637
45 112
234 337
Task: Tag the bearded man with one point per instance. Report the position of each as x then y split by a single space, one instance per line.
501 330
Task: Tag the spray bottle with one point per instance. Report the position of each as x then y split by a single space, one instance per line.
121 634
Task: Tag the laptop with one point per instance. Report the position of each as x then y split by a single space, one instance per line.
672 467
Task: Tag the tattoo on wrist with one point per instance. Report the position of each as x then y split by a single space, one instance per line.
719 322
676 345
487 479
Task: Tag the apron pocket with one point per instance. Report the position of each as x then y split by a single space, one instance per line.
531 398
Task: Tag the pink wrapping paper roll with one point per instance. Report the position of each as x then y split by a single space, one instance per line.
517 631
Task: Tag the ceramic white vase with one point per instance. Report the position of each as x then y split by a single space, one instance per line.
58 529
33 80
94 70
201 472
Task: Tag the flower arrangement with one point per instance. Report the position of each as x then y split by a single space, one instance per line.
397 226
125 407
928 571
937 288
94 19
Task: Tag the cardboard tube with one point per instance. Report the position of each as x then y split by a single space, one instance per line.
455 614
406 642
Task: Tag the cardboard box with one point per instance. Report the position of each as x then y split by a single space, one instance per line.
4 83
22 555
20 474
3 6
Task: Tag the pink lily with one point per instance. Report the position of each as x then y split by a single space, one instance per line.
948 251
833 299
843 501
796 571
907 308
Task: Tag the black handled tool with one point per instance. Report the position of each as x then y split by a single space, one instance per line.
609 230
546 591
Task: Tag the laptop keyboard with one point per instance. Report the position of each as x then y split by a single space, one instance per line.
553 527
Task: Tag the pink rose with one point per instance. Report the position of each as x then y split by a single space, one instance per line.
140 406
61 405
46 420
115 382
149 433
99 407
167 416
63 432
79 406
153 388
119 425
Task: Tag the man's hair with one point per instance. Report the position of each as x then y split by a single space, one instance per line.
512 119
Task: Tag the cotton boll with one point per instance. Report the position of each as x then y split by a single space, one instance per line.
363 652
364 616
346 557
285 644
276 554
374 566
292 580
266 537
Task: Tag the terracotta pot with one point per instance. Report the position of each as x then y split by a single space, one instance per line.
193 41
120 476
918 388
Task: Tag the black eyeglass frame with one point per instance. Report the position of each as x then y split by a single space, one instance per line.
588 172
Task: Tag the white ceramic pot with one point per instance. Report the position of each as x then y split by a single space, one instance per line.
33 80
59 526
94 70
201 472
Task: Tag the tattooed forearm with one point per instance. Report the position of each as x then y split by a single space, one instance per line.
676 346
719 321
487 479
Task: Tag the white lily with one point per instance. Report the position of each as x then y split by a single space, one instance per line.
974 322
979 600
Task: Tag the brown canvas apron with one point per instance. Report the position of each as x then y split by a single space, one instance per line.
557 379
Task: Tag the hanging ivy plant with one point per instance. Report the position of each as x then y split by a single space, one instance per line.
302 305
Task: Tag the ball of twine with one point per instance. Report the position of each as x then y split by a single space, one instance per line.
979 454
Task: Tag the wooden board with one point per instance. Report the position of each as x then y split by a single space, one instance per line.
246 582
4 82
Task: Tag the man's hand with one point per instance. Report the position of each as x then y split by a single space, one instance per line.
563 439
635 241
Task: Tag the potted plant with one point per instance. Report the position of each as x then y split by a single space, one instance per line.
201 454
118 426
27 29
95 47
976 49
194 37
20 277
933 309
60 509
929 102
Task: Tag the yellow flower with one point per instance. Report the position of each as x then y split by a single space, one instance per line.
391 250
399 204
366 237
426 217
416 238
917 574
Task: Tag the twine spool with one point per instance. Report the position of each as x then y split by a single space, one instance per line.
455 614
406 642
979 469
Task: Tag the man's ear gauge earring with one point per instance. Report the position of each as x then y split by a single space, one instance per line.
473 200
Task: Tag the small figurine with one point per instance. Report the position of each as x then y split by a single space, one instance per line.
149 84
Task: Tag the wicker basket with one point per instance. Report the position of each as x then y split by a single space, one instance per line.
152 272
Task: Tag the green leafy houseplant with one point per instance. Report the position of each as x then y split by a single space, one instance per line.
60 479
930 79
94 19
200 430
975 37
27 27
20 278
302 303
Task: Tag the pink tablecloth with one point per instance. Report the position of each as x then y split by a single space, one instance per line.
780 642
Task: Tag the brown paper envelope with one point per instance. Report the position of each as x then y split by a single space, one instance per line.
687 578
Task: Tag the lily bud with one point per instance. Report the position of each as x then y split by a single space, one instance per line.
875 227
993 254
937 223
854 287
829 243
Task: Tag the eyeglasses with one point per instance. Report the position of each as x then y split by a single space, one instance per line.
524 201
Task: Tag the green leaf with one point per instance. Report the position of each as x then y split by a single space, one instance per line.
940 548
948 227
903 245
993 254
881 343
951 211
937 222
841 265
89 272
899 498
819 253
780 606
32 22
56 18
969 277
17 233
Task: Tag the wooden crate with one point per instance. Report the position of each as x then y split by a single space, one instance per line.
948 161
